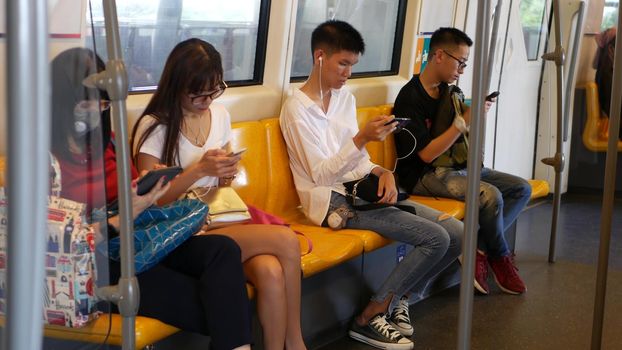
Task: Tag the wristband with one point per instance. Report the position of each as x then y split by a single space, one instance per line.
460 124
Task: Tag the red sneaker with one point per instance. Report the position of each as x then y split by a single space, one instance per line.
506 275
481 273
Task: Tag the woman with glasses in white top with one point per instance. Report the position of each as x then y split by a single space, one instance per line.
183 126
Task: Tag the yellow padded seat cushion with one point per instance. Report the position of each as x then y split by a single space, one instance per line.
281 198
374 148
251 182
148 331
594 123
329 248
370 239
450 206
539 188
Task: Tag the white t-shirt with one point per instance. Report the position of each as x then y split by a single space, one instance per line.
322 155
219 136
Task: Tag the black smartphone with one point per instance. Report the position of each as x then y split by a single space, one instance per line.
401 123
146 183
492 95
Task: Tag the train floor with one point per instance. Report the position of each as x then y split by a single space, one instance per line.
556 312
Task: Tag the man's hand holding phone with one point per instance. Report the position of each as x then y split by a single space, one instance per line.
399 123
493 96
376 129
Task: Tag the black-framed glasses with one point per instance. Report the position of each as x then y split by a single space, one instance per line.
461 63
200 99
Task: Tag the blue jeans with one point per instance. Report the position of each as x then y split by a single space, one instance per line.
435 244
502 197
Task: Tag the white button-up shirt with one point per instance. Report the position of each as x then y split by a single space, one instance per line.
322 155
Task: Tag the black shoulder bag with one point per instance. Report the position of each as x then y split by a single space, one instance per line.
366 188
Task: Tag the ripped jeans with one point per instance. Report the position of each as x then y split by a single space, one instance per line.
502 197
436 241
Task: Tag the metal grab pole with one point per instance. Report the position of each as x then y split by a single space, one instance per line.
114 81
557 162
573 63
28 135
474 162
493 46
608 196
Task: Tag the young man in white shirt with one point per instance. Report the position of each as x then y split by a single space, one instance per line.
326 149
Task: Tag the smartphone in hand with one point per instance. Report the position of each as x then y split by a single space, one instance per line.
146 183
492 95
401 123
236 153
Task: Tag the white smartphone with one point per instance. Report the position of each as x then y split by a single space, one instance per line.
236 153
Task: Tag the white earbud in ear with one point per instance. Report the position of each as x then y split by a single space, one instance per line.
320 59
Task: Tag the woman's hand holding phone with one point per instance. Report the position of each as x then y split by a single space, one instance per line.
218 163
142 202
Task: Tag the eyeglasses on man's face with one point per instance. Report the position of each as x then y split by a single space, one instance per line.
461 63
200 99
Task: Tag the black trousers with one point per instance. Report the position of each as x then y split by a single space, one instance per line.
199 287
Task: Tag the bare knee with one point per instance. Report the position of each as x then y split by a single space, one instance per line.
289 246
266 273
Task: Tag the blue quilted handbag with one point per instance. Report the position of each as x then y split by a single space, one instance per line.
159 230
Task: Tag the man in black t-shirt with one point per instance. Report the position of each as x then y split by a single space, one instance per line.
436 142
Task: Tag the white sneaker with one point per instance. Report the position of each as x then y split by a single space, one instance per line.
400 318
379 333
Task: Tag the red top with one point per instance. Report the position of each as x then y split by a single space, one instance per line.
85 182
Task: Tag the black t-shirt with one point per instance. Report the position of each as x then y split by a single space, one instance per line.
414 102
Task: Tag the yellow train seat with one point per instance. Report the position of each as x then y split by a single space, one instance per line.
592 137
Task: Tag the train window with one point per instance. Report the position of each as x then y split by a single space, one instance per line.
610 14
150 29
381 22
532 16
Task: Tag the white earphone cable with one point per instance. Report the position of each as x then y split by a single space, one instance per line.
409 153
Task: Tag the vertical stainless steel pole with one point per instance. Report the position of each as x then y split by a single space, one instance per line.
574 58
116 84
28 170
473 178
493 46
557 162
608 195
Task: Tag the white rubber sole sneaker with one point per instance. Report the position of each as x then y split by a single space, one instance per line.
404 344
479 288
406 331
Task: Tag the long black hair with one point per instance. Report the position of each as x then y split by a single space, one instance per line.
69 69
192 66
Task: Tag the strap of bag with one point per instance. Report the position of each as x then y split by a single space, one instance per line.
373 206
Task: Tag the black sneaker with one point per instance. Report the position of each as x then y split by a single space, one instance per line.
379 333
400 318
